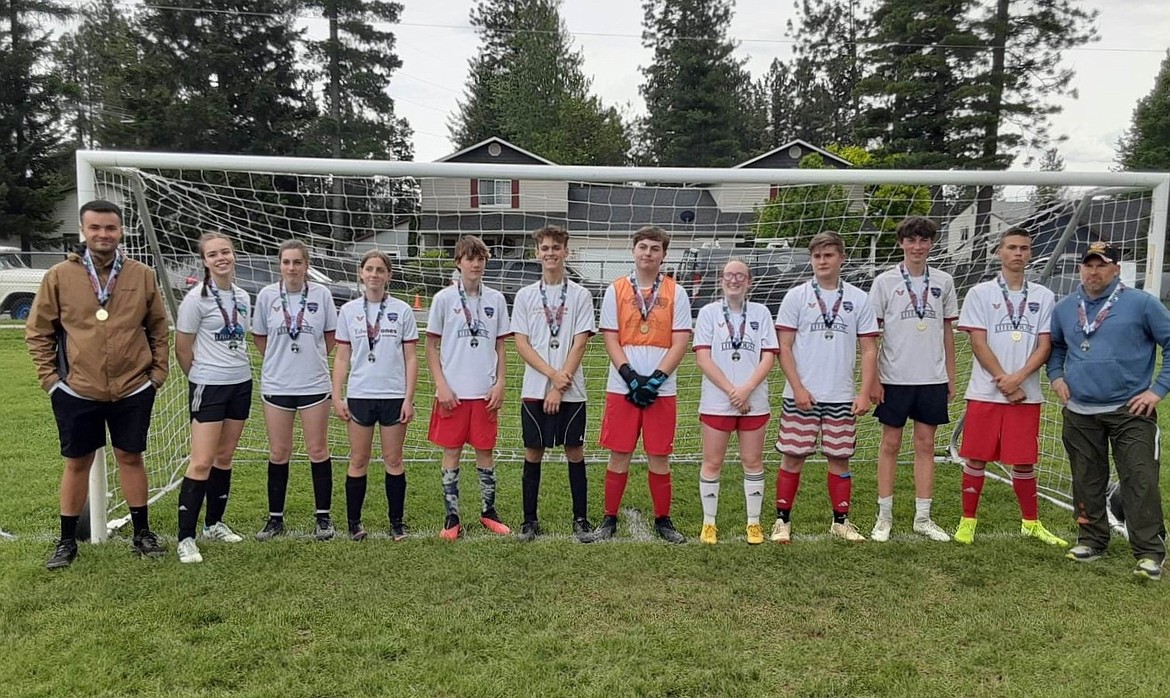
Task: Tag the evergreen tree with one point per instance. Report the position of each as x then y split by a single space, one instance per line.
694 87
33 157
93 61
1146 145
527 85
1046 196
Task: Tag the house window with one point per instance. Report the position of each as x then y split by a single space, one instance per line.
495 193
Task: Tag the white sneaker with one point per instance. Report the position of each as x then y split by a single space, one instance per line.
881 530
931 530
846 531
188 551
781 532
221 532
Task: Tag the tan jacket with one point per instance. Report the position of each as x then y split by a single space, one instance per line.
103 361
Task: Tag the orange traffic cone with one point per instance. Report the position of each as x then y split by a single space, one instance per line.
417 302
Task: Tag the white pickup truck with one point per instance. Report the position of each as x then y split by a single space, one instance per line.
18 284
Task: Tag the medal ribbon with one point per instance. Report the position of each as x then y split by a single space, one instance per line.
232 324
103 294
554 322
1088 328
645 306
472 327
373 332
736 342
294 332
831 319
919 308
1012 316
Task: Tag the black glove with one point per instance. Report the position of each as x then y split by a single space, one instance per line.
647 392
631 378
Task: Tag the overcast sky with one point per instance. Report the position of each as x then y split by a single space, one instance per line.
435 42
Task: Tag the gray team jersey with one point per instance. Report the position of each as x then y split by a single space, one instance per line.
221 356
385 376
295 366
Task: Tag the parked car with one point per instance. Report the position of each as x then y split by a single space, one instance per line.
510 275
254 272
18 284
774 271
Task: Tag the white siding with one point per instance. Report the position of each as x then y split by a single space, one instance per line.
739 198
454 195
442 194
544 196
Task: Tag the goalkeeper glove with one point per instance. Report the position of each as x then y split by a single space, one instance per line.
646 393
631 378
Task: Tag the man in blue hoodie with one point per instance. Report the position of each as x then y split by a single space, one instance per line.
1104 338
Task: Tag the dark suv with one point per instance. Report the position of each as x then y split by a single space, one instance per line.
510 275
254 272
774 271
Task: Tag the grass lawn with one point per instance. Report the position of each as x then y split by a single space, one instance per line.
489 617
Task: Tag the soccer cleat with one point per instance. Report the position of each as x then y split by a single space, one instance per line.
846 531
1036 530
881 530
965 533
755 534
1149 569
324 529
665 529
781 532
491 521
605 530
581 526
528 531
398 531
451 528
147 544
221 532
709 534
928 528
63 555
1083 553
357 531
272 528
188 551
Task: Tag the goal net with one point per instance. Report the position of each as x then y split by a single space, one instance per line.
416 212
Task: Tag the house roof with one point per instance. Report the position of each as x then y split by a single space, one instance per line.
499 141
805 146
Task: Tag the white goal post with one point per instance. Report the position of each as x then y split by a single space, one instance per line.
415 210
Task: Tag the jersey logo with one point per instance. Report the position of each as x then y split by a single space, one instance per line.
847 305
995 305
312 307
936 292
360 318
1033 307
755 325
812 304
392 317
489 311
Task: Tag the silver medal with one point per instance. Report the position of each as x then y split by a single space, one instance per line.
554 344
295 348
828 334
474 342
1085 345
371 358
735 356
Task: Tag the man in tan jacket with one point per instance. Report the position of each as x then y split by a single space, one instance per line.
99 338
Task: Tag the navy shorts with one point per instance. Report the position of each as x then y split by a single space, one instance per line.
215 403
294 403
82 424
926 404
541 430
367 412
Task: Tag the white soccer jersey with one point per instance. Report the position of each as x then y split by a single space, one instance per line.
300 366
826 366
910 356
468 360
220 357
984 309
644 359
530 320
385 376
759 337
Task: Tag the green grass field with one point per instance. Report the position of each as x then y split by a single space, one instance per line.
489 617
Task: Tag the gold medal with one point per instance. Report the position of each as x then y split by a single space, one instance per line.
921 326
645 328
1017 336
102 315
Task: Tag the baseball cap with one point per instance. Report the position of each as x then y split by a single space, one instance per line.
1108 253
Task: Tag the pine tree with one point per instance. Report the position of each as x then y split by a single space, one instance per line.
33 157
826 68
93 61
1046 196
1146 144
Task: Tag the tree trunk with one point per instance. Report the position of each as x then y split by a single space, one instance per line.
991 138
336 214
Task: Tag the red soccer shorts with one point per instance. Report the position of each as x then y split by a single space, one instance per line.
996 431
469 423
624 421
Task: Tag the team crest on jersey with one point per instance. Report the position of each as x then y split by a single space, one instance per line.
391 317
755 324
995 305
847 305
936 292
900 292
489 311
312 307
1033 307
360 318
812 304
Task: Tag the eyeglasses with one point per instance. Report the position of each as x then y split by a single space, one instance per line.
735 276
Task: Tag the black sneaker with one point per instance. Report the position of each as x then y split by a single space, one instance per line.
399 531
528 531
606 530
664 527
63 555
324 529
272 528
581 526
356 531
147 544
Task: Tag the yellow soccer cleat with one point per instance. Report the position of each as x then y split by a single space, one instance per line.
965 533
709 534
755 534
1036 530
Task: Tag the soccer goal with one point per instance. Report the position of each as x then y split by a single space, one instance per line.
761 211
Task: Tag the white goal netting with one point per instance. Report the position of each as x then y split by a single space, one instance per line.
416 212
